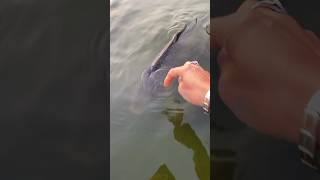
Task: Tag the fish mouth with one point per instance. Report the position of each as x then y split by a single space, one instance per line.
152 80
151 94
152 88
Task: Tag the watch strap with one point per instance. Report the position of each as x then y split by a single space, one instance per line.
206 102
309 132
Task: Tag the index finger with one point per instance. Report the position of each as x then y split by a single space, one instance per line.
221 27
172 74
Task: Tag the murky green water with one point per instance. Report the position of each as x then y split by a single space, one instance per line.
171 141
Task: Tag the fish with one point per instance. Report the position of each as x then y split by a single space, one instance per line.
189 44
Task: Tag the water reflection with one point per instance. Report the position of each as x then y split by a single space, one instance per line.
163 173
184 134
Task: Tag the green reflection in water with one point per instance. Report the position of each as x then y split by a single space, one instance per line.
163 173
185 135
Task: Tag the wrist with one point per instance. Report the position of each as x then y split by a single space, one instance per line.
201 92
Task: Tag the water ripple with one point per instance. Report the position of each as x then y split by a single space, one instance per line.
139 29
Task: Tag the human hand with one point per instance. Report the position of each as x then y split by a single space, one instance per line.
194 82
270 68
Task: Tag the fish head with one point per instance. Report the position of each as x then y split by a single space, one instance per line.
191 43
151 93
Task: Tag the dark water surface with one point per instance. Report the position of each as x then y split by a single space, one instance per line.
171 138
53 89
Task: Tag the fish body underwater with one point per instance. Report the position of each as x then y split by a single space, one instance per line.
191 43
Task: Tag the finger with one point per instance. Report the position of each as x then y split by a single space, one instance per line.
246 7
187 63
314 40
172 74
285 20
221 27
313 37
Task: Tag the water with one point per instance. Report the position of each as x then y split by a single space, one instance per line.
170 141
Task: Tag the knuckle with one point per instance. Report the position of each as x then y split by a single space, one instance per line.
266 18
197 68
311 33
259 19
256 14
255 21
188 65
170 71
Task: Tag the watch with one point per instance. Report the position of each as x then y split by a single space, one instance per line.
206 102
308 135
274 5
